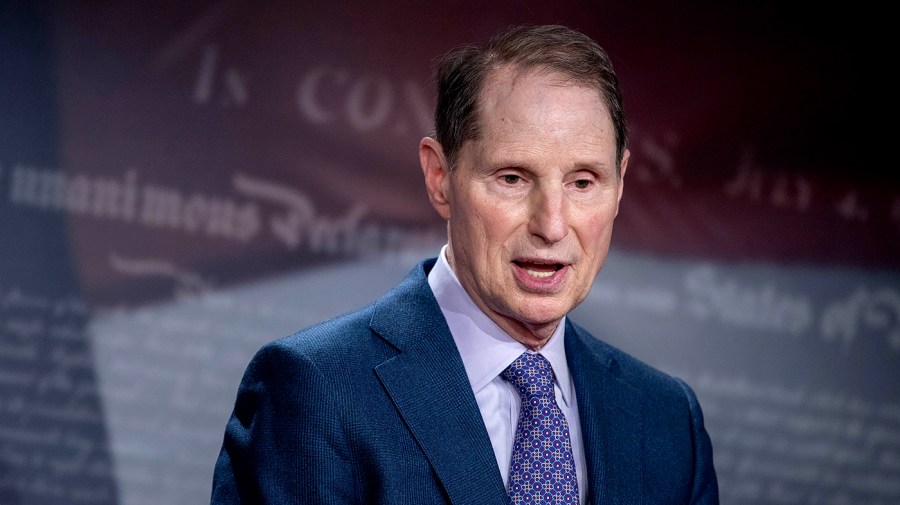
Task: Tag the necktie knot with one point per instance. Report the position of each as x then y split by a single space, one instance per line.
531 374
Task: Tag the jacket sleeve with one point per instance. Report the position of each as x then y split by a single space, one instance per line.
705 490
285 441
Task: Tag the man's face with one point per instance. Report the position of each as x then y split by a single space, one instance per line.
530 204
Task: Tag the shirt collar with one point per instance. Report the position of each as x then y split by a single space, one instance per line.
485 348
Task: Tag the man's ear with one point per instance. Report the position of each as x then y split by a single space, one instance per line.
622 168
437 175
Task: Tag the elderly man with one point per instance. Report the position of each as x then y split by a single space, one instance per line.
467 383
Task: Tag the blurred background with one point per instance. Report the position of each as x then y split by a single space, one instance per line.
181 182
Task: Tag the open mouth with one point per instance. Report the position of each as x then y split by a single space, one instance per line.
539 270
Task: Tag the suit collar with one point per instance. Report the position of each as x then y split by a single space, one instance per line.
486 349
428 384
610 414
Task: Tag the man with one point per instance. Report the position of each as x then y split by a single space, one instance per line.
467 383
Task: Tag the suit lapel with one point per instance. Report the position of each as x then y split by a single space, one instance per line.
609 411
428 384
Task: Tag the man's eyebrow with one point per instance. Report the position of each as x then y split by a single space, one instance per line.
594 166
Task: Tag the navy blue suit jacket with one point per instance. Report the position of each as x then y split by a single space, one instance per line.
375 407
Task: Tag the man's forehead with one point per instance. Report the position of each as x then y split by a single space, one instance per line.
509 97
514 91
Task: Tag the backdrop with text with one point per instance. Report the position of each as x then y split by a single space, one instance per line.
183 182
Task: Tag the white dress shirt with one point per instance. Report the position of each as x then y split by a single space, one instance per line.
486 351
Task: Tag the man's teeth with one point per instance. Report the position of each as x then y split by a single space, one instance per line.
541 275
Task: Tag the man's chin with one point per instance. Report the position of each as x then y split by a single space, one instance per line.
535 315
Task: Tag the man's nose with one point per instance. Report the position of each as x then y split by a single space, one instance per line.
548 218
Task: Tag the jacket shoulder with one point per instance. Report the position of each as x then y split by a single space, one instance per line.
358 338
631 369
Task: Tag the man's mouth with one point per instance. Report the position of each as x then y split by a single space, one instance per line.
540 270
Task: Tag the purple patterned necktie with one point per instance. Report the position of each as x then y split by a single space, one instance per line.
543 468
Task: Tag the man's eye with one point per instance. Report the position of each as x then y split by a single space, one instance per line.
511 178
582 184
